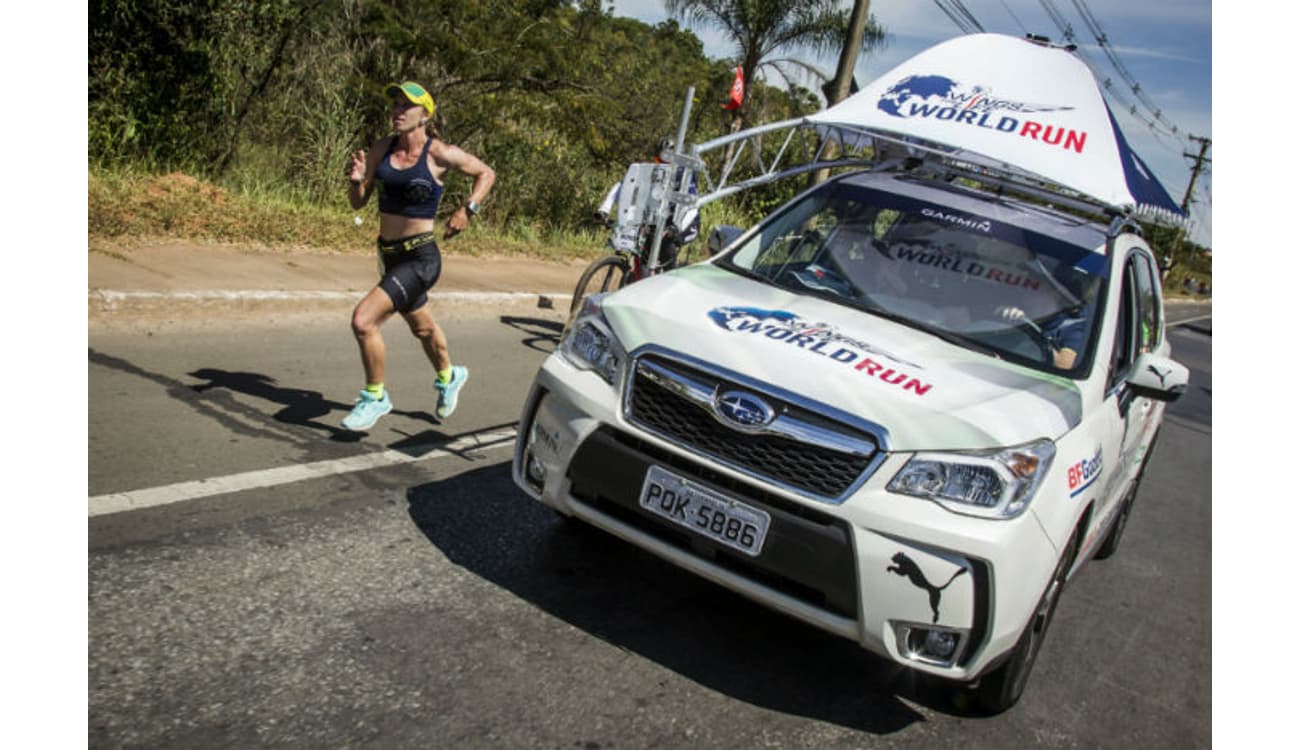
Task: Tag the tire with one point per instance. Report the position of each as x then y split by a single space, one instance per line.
605 274
1111 545
1001 689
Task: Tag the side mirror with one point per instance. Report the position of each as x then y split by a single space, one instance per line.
1157 377
722 236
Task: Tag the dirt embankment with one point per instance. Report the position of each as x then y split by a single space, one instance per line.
176 282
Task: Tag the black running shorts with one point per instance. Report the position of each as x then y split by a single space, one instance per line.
411 266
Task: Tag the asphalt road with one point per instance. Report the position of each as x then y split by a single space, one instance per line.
428 603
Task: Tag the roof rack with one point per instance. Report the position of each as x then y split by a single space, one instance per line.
806 146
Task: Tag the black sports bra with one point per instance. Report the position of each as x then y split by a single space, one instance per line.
409 192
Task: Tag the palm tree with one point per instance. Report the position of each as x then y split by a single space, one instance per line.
767 32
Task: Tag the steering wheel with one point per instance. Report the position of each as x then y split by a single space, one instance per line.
1035 332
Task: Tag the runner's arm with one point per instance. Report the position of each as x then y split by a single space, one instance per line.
361 173
453 157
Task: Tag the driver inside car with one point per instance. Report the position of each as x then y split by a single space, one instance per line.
1066 329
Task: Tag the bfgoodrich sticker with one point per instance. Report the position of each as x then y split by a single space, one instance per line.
1083 473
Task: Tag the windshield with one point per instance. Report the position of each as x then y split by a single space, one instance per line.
980 283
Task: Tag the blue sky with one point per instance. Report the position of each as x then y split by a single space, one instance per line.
1165 45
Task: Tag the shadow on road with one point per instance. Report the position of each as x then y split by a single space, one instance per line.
637 602
542 335
301 407
214 399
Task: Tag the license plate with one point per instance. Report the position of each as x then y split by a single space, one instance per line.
724 520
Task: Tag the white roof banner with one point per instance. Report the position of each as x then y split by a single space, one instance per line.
1002 100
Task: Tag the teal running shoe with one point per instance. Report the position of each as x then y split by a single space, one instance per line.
449 393
367 411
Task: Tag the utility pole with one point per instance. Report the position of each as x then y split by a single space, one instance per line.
838 87
1201 161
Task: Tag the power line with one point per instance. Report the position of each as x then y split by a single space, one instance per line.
1063 25
961 8
959 15
1067 33
953 17
1100 35
1014 16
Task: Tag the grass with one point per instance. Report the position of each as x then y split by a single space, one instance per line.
130 206
127 206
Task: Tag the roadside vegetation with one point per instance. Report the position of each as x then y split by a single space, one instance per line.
232 121
128 208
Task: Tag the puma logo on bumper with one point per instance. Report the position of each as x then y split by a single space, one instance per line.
907 568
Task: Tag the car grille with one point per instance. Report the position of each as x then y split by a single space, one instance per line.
825 460
808 554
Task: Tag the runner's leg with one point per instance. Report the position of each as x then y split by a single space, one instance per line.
431 337
371 313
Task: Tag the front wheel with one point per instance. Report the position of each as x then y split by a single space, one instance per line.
1111 545
1001 689
605 274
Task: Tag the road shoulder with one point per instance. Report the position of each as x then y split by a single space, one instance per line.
185 283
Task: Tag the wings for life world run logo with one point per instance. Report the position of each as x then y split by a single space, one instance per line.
820 339
940 98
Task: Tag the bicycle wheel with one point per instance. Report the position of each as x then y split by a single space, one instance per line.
605 274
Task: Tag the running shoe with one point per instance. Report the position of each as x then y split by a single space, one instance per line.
367 411
449 393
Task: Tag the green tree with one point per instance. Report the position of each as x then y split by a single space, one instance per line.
272 95
768 33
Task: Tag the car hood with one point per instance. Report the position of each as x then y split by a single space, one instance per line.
926 393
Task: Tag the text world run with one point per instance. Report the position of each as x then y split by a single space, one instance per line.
957 264
811 342
1052 136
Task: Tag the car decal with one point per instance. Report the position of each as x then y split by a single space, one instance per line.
1161 375
819 338
940 98
907 568
965 265
1083 473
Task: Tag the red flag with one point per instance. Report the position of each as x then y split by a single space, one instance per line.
737 90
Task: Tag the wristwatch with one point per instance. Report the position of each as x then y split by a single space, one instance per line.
472 208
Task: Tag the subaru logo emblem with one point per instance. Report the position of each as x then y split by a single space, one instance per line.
744 411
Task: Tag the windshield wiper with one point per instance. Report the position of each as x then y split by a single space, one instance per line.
961 341
939 333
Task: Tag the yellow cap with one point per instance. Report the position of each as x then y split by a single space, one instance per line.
414 93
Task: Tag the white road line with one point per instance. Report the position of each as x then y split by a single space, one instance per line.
118 502
1197 319
116 295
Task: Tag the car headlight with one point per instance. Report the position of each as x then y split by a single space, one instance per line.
992 484
590 344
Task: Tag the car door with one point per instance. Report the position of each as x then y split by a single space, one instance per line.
1144 412
1130 418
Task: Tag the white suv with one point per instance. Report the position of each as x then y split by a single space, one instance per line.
899 409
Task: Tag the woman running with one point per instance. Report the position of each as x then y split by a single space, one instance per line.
408 168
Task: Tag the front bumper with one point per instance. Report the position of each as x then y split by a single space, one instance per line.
878 568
